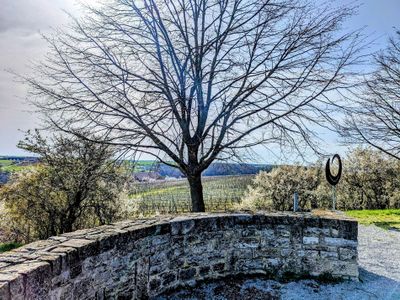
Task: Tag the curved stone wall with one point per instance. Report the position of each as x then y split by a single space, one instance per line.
143 258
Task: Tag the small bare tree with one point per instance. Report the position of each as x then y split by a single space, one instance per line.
74 185
191 81
375 118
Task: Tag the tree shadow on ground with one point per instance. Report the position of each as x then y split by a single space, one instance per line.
370 286
393 226
378 286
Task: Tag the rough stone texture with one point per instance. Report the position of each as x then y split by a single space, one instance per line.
378 250
144 258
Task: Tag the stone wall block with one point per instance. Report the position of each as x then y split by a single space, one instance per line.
13 285
310 221
334 232
329 223
85 248
168 277
349 230
329 255
244 219
142 278
187 273
310 240
106 241
163 228
4 290
281 242
36 279
340 242
348 254
209 224
283 231
57 261
317 232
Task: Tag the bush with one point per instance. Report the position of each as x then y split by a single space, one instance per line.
9 246
275 190
370 180
75 186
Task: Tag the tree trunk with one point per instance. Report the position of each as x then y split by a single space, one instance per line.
68 226
196 193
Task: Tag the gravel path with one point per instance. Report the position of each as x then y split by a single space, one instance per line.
379 260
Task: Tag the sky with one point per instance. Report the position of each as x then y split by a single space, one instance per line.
23 21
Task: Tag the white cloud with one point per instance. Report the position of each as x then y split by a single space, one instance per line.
21 22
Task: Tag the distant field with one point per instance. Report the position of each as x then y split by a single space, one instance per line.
10 166
141 165
384 218
220 193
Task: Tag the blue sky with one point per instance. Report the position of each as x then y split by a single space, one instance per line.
21 22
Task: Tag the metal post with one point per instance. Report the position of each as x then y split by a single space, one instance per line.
334 197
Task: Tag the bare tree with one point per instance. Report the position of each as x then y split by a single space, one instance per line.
375 118
191 81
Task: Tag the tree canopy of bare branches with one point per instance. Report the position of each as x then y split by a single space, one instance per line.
375 119
191 81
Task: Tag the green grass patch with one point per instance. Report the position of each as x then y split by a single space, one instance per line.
384 218
13 168
161 191
5 162
10 166
9 246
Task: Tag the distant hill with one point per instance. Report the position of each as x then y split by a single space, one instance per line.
142 169
221 169
215 169
19 159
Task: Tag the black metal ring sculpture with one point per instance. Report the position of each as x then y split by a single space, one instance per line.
333 180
